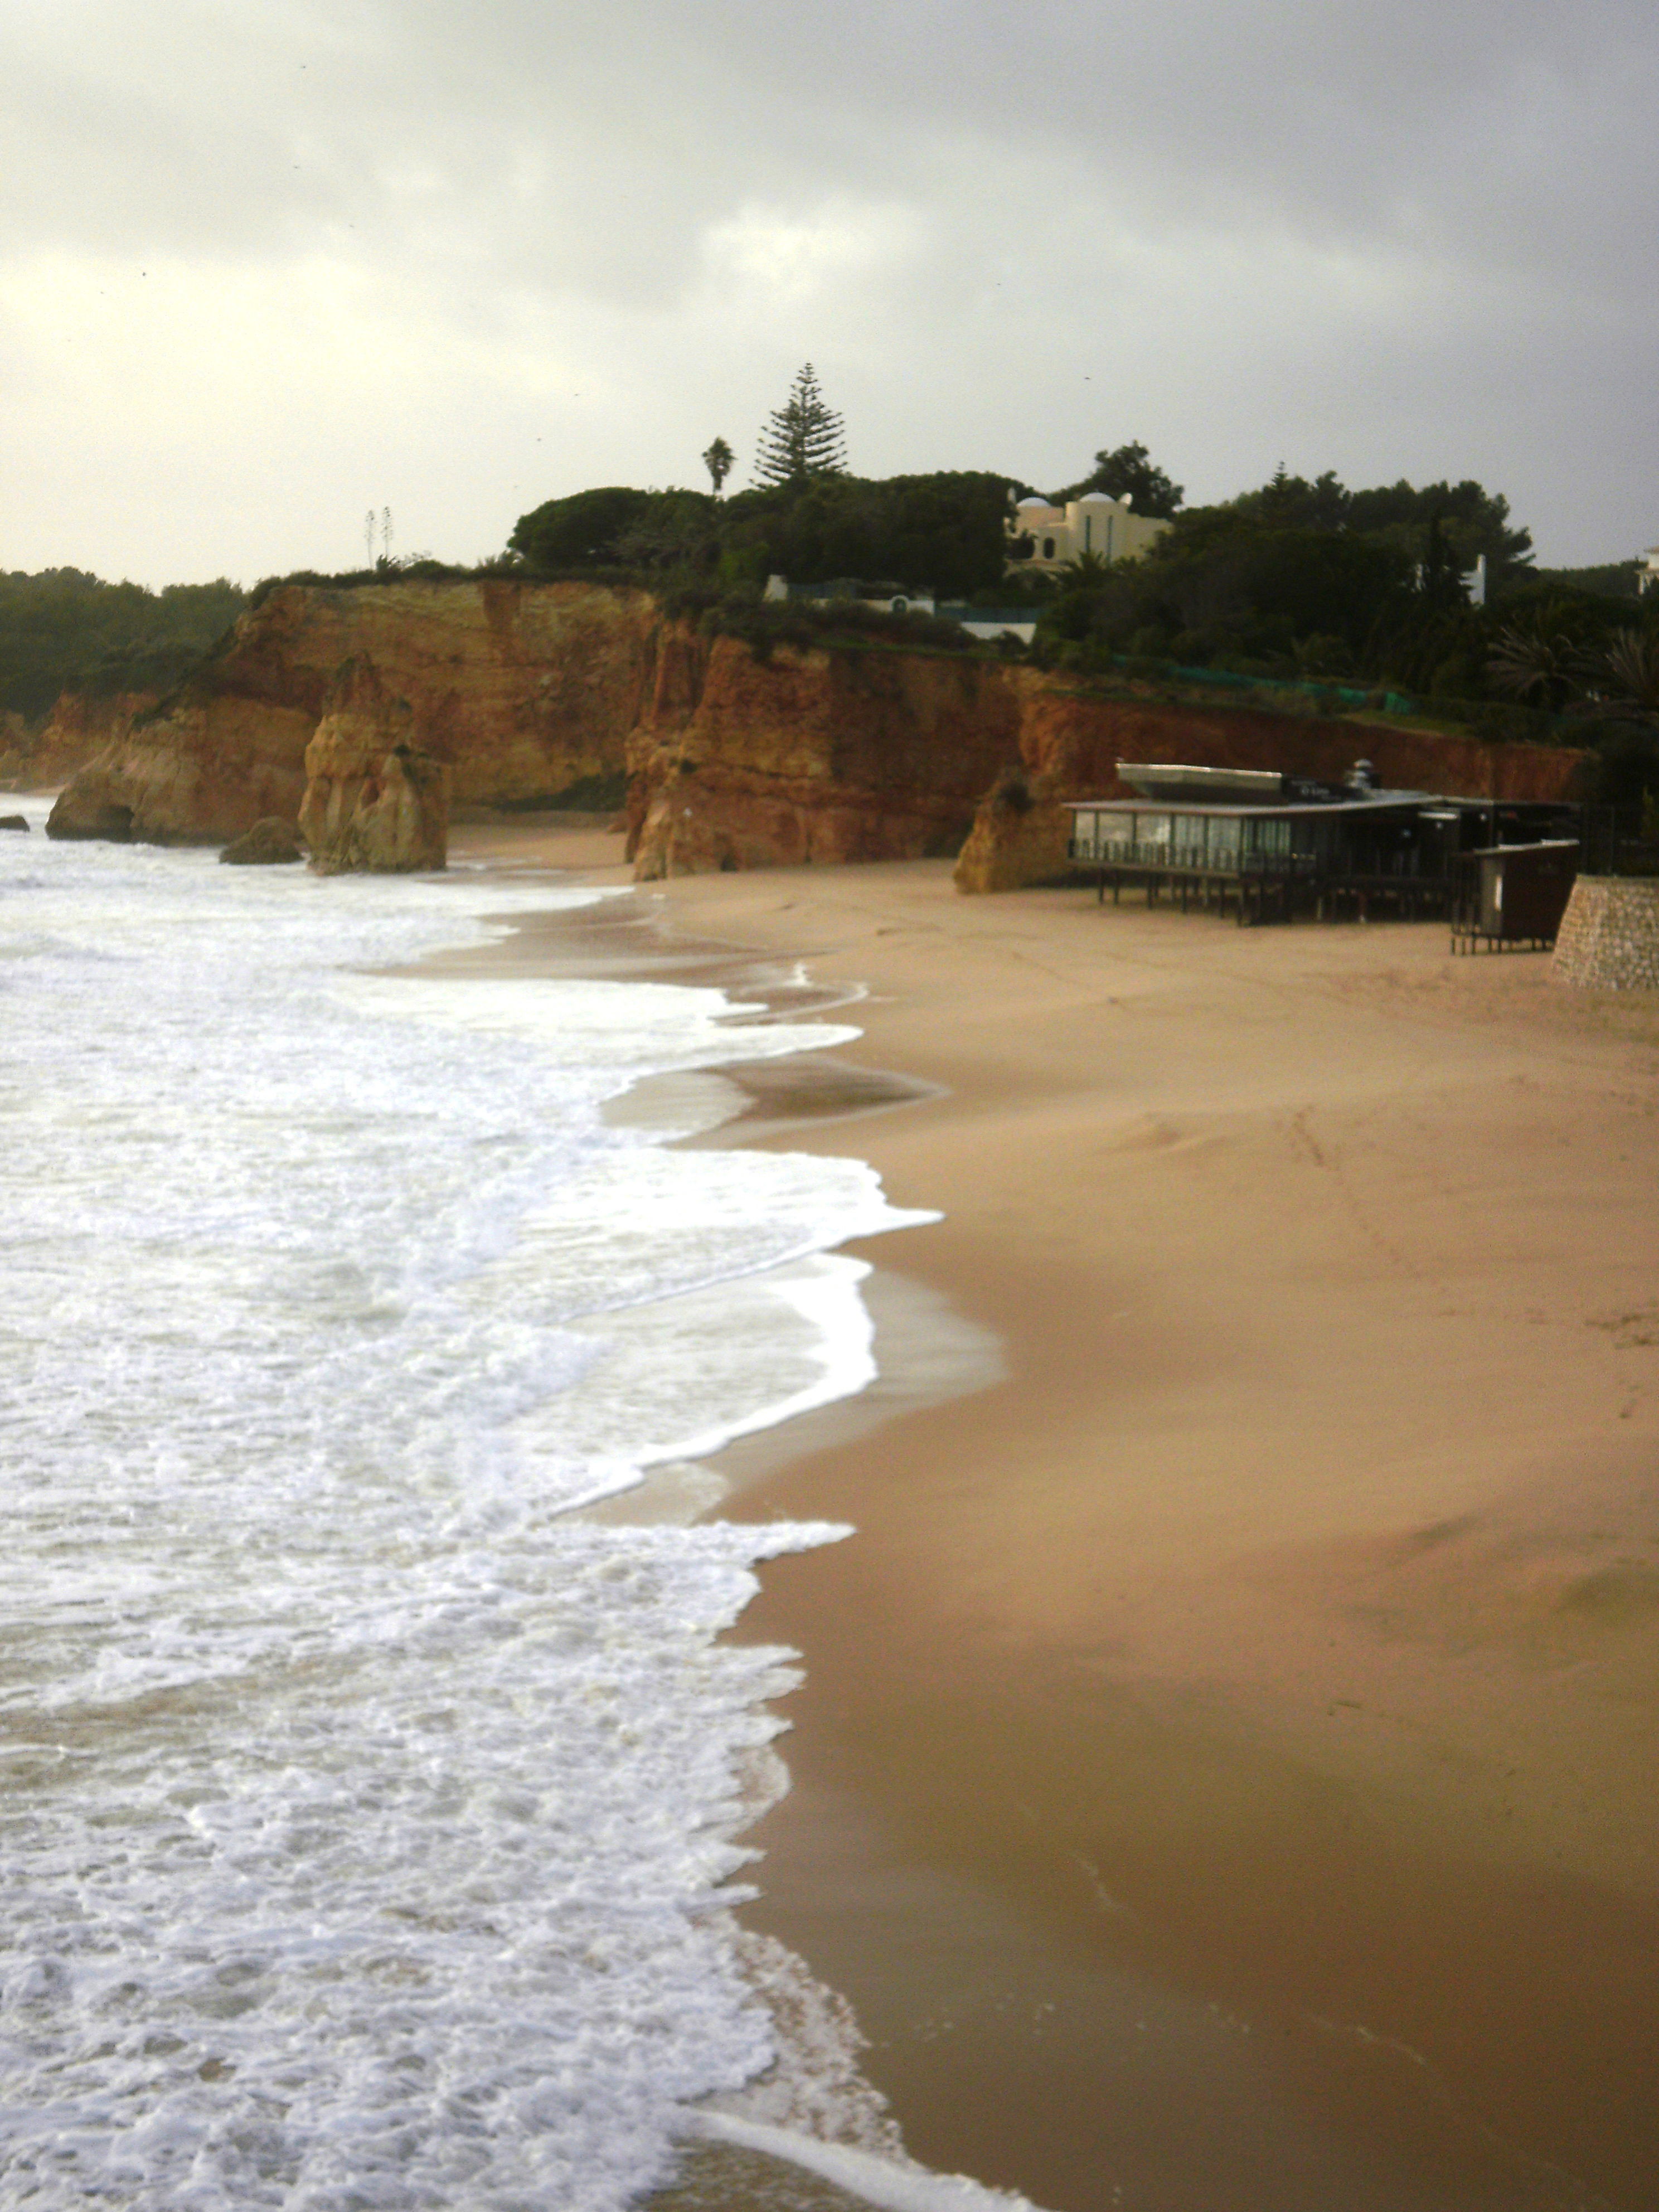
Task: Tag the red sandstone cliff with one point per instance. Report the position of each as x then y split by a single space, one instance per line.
78 728
814 755
863 751
520 689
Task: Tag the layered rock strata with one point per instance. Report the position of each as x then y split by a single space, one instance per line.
78 728
522 690
809 756
373 802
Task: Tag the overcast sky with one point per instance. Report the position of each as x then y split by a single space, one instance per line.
266 264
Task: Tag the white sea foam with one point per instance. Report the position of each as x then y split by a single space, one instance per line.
894 2183
369 1833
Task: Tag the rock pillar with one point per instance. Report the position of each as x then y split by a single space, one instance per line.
373 802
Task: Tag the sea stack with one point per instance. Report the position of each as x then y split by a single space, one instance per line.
272 842
373 801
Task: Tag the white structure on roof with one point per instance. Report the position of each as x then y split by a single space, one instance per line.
1044 538
1648 574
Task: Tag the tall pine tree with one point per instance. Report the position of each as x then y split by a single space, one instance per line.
801 438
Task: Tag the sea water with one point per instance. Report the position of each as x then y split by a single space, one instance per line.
369 1820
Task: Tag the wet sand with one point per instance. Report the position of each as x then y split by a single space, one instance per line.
1226 1775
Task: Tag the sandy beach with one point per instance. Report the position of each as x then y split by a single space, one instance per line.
1225 1777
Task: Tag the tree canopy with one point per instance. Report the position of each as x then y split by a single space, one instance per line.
581 529
64 629
1300 579
1129 472
943 530
803 438
1469 519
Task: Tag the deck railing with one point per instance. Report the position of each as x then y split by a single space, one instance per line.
1406 865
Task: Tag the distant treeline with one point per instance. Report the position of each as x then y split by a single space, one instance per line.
1294 578
64 630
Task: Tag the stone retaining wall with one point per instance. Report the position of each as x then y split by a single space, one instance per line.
1609 939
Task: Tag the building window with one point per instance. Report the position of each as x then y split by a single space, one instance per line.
1048 549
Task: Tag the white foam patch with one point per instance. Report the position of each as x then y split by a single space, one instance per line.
813 2108
681 1377
402 1887
371 1826
878 2181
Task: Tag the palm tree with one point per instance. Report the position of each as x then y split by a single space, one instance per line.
1536 661
718 459
1084 572
1629 669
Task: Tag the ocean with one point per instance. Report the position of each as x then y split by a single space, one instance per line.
370 1821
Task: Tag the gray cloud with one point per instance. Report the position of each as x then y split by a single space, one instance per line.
474 258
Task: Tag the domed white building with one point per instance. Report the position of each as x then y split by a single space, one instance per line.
1043 538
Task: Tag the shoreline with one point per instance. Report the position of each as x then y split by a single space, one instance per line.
1188 1825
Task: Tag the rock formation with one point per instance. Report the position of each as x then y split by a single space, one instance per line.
270 843
15 822
1609 939
369 811
78 728
373 801
531 693
16 743
822 755
523 690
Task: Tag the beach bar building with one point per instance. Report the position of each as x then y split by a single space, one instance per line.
1273 844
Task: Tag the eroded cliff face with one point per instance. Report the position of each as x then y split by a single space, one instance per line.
374 803
818 756
1069 744
523 690
78 728
520 689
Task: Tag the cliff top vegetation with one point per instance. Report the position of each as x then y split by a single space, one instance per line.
1310 583
63 629
1297 582
944 530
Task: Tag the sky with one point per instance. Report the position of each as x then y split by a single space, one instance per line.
268 264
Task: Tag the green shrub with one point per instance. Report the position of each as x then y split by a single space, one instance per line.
64 631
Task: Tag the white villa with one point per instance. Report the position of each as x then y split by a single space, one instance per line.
1648 574
1043 538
